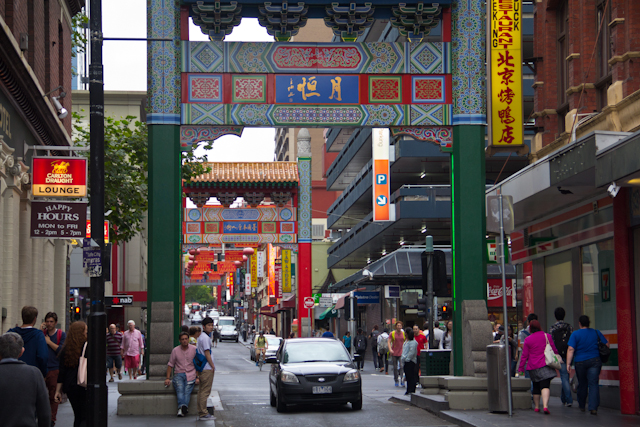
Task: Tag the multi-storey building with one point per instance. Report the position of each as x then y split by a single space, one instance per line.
35 66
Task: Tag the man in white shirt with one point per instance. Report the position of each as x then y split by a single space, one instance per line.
437 334
206 376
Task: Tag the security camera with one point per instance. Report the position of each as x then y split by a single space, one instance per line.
613 189
62 112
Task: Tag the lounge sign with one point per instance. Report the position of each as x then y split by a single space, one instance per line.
505 73
59 177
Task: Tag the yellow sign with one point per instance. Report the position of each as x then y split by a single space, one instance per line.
254 270
505 37
286 270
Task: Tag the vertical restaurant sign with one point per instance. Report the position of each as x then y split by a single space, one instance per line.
230 283
286 270
59 176
247 284
505 41
106 230
260 266
278 278
272 271
253 259
381 191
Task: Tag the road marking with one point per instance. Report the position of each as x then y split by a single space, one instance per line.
217 403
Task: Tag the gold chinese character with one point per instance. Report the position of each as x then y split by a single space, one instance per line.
336 89
310 85
290 88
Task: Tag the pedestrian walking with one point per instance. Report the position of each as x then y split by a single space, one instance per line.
584 350
437 333
533 357
131 348
114 356
55 339
184 373
206 376
410 361
346 340
395 343
561 332
446 343
383 351
194 333
360 347
373 338
73 350
216 336
23 391
422 342
36 351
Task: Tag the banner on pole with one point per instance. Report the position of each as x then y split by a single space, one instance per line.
286 270
254 270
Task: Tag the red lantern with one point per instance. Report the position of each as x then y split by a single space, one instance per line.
192 251
237 263
190 263
197 251
192 257
248 251
244 258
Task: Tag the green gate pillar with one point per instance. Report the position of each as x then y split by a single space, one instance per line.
468 164
163 118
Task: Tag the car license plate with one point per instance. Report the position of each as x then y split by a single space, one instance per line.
322 389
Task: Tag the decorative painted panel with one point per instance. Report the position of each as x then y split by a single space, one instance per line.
428 90
431 115
385 89
442 136
190 135
239 238
320 58
204 88
203 114
304 200
163 59
321 89
249 89
468 62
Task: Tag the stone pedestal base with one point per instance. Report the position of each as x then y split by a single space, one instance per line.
151 398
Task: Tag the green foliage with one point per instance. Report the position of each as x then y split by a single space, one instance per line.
193 165
125 173
201 294
78 37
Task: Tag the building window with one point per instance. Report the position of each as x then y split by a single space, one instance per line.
603 53
598 285
562 23
558 286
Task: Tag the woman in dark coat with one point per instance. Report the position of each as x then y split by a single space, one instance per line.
68 376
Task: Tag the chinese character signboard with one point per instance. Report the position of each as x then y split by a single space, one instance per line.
278 279
317 89
58 220
286 270
247 284
253 259
59 177
272 270
505 73
260 259
381 188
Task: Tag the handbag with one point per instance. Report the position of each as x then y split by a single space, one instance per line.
199 361
574 383
604 351
82 368
550 358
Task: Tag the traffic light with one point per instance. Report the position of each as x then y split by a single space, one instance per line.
422 307
446 314
76 313
440 275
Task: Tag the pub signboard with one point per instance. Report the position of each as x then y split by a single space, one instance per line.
58 220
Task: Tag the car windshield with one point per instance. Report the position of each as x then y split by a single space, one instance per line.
273 341
226 322
227 328
317 351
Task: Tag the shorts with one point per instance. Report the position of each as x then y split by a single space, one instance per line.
132 362
539 385
117 359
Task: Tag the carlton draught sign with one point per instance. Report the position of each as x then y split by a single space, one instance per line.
59 177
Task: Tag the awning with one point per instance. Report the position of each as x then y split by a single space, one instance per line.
267 311
329 312
285 304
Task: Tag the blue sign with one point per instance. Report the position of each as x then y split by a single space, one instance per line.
317 89
367 297
381 200
240 227
92 261
381 179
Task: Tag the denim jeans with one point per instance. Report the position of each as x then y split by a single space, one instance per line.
588 372
565 393
183 388
398 368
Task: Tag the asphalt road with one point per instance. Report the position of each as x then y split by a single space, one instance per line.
243 391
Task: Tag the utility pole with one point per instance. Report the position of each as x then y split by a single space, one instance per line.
96 385
429 252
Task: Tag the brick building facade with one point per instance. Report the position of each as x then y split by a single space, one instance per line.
35 59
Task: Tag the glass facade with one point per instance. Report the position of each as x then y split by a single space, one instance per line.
558 286
598 285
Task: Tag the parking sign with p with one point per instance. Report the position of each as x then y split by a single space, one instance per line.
381 190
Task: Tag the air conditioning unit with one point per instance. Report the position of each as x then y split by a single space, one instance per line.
317 231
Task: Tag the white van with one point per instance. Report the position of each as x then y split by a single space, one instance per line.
226 320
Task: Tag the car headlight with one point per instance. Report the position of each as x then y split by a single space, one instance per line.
288 377
351 376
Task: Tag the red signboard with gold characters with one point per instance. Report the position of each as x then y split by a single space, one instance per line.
59 177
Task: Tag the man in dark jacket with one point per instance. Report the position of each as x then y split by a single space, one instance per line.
360 345
36 351
23 393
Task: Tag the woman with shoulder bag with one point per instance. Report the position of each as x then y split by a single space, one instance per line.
69 378
589 349
534 357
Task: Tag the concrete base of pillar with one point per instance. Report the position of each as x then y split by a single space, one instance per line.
476 337
151 398
161 339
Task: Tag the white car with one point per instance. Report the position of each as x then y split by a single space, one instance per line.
228 332
197 318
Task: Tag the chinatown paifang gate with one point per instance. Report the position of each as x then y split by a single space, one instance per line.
201 90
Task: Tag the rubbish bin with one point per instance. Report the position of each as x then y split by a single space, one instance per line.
497 378
434 362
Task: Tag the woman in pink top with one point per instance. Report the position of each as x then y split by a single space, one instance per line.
533 358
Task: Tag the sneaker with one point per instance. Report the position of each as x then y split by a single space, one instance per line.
208 417
401 383
568 405
111 379
180 412
396 383
185 409
119 375
594 412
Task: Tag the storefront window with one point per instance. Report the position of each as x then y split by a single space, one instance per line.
558 286
598 285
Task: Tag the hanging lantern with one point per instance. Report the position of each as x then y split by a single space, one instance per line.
197 251
237 263
190 263
192 251
244 258
248 251
192 257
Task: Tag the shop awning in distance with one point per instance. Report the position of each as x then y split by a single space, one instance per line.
329 313
404 267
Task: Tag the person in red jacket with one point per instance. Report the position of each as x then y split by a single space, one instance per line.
422 344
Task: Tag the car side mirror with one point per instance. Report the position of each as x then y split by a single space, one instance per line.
272 360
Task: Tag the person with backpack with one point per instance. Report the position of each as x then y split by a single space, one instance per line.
184 372
586 346
560 332
360 346
373 336
383 350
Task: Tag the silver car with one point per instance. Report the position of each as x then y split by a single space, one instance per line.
228 332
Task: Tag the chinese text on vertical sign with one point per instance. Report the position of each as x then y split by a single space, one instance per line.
506 72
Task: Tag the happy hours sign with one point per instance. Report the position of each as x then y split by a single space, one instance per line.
58 220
